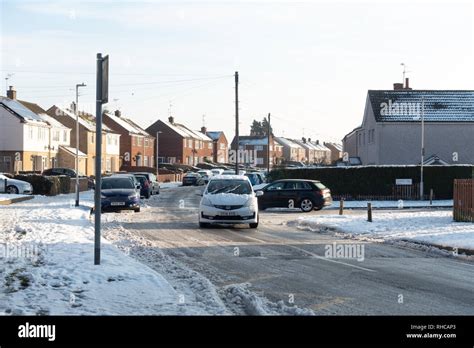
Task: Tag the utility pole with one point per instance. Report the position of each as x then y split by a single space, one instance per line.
268 145
237 123
76 110
422 145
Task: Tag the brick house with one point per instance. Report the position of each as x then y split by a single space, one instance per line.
136 145
28 141
87 138
179 144
292 151
253 150
220 145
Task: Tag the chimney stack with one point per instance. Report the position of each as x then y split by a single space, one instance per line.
203 130
397 86
407 84
171 119
118 113
11 93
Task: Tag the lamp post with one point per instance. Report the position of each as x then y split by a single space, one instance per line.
157 155
76 110
422 145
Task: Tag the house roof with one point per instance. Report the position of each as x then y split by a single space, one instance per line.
33 107
52 122
72 150
21 111
338 147
287 142
86 120
185 132
214 135
128 124
253 140
439 105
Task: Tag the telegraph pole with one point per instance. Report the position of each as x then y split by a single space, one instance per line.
237 122
77 140
268 145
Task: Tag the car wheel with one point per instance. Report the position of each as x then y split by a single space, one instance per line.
12 190
204 224
137 210
306 205
254 225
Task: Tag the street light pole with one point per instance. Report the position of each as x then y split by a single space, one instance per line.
422 146
76 110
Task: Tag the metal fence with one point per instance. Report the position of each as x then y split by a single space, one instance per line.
405 192
463 209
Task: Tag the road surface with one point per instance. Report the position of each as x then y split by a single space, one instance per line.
279 262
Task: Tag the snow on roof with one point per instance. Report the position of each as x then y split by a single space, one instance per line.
287 142
337 146
127 124
406 105
90 126
52 122
185 132
320 147
20 110
72 150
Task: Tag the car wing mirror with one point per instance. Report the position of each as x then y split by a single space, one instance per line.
258 193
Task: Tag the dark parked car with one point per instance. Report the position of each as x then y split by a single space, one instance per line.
154 184
145 189
60 171
255 178
119 193
307 195
192 179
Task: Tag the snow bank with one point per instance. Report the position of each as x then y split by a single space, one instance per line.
392 204
433 227
6 197
47 250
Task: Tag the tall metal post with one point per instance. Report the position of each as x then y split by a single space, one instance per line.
422 146
268 145
98 160
237 123
77 141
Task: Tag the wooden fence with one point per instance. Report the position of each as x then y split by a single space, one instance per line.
463 209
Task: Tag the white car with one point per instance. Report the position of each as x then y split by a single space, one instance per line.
217 171
229 199
15 186
205 174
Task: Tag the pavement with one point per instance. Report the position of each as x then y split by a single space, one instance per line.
282 264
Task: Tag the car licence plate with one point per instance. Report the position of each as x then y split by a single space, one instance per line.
117 203
228 213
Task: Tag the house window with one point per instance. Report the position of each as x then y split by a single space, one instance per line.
56 135
146 142
259 160
65 136
92 138
134 140
222 146
209 146
259 147
190 143
140 141
30 132
145 161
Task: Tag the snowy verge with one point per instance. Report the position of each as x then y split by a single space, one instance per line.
47 249
401 204
432 228
6 196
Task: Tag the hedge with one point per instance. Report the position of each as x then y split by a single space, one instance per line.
379 180
47 185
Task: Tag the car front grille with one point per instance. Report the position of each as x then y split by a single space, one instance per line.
228 207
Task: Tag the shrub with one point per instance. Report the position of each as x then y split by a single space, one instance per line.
42 185
64 184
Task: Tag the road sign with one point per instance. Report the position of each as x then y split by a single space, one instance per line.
403 182
105 80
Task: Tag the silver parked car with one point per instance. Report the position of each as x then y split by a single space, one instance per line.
15 186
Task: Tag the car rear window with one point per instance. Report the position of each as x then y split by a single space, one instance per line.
320 186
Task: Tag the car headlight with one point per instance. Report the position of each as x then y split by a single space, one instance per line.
205 201
250 203
103 197
133 196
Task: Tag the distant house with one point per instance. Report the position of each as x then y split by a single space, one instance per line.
322 154
28 141
136 145
87 139
253 150
292 151
178 143
220 146
336 151
390 132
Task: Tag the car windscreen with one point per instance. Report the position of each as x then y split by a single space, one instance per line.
117 183
240 187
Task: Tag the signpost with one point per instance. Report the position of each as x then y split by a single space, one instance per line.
102 97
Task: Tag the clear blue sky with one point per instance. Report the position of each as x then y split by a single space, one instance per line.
309 63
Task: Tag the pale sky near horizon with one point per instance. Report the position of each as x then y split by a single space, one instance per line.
309 64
